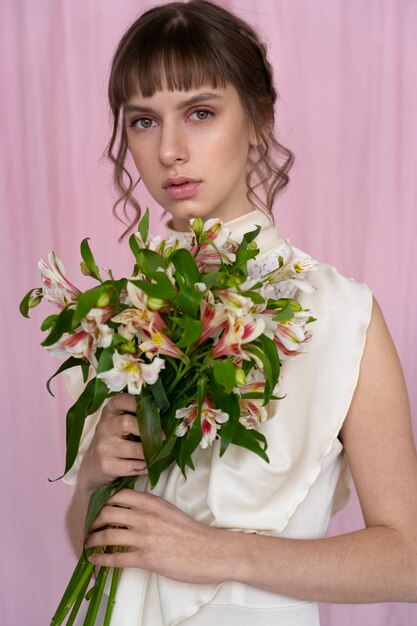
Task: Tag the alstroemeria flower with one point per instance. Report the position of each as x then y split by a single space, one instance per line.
211 420
56 287
131 372
235 302
252 413
138 319
238 331
291 336
158 343
158 244
213 316
292 264
79 344
223 249
93 333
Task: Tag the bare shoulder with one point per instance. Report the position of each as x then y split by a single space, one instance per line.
377 435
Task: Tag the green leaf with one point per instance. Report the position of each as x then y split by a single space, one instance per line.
134 246
97 500
28 301
225 374
158 392
71 362
186 268
62 325
248 438
85 368
270 350
161 289
88 259
285 315
191 440
48 322
150 261
189 299
143 226
100 496
101 392
229 403
149 423
75 423
243 256
166 451
192 331
85 302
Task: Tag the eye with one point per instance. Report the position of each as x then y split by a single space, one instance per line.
142 123
201 114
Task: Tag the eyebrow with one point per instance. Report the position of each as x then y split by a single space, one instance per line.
200 97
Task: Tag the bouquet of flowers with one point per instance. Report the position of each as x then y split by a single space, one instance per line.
196 339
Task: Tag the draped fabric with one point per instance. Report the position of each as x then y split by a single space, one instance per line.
346 76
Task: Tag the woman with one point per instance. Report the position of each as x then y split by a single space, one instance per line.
192 97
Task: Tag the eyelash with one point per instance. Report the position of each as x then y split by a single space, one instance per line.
138 119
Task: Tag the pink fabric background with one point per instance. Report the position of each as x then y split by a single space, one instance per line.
346 74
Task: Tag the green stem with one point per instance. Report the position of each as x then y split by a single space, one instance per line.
112 597
181 372
73 581
95 600
84 578
77 604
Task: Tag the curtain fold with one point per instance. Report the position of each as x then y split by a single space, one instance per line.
346 76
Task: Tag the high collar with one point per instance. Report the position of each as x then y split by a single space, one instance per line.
267 239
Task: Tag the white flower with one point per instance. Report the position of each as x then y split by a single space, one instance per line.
211 420
291 265
56 286
131 372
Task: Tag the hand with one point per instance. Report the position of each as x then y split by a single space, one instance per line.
159 537
111 454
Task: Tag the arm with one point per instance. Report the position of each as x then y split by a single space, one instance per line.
109 455
378 563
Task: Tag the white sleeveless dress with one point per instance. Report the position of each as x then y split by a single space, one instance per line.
294 495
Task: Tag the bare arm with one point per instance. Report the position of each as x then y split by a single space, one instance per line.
378 563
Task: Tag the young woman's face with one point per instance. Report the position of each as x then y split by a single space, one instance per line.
191 151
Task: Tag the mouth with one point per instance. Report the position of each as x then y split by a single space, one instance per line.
180 187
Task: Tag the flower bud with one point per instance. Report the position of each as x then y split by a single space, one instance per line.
240 376
156 303
85 270
103 300
34 301
127 347
197 226
252 245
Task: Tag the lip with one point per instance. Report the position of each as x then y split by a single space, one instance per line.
181 187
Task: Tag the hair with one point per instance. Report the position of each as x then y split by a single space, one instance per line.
184 46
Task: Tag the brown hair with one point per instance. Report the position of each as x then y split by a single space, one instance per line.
185 46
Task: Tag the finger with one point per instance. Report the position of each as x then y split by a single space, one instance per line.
116 559
115 516
123 403
134 499
109 537
126 449
113 468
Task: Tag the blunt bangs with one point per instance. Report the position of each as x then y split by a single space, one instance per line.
182 59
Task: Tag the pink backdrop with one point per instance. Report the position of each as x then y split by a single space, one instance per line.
346 73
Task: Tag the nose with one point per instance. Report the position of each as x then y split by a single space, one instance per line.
173 145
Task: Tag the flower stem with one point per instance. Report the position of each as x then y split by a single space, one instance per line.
112 597
97 594
77 604
71 594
